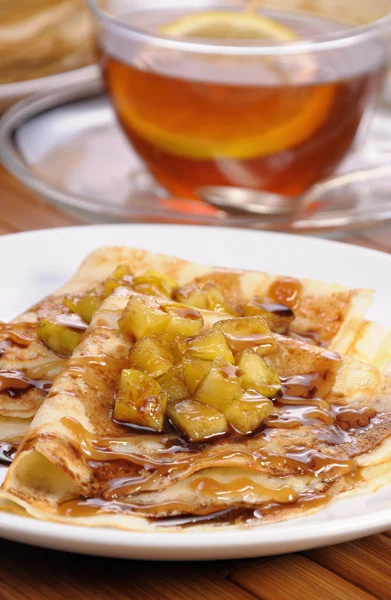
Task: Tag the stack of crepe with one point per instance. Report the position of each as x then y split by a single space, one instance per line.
44 37
90 452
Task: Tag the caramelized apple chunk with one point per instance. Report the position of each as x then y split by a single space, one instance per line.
155 284
173 384
278 316
176 346
192 295
197 421
208 347
247 332
257 375
247 412
85 307
143 317
216 300
209 297
121 276
140 400
194 370
60 339
221 385
184 321
152 356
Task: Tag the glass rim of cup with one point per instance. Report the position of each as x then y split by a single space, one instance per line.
342 39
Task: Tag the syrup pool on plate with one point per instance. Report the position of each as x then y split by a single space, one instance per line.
273 122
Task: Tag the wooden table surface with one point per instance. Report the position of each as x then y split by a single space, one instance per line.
354 571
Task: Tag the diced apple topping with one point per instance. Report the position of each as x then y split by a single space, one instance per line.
140 400
208 347
155 284
247 332
220 386
247 412
121 276
257 375
184 321
196 420
85 307
194 370
143 317
209 297
192 295
172 383
216 300
176 346
205 382
278 316
60 339
152 356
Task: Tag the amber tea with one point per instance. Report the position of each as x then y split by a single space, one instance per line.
271 122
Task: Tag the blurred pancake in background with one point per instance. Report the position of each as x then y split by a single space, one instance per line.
43 37
40 39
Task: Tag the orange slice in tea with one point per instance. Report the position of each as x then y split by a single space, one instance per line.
213 120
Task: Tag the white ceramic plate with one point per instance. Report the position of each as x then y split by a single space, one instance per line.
35 263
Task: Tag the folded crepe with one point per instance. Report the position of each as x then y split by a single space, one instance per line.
326 314
326 434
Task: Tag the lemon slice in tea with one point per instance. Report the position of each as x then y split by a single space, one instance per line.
210 120
228 25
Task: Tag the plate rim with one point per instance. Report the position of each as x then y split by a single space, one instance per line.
196 545
207 229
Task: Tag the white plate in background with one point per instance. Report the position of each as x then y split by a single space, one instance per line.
13 92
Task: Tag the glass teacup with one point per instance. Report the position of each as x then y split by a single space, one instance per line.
278 113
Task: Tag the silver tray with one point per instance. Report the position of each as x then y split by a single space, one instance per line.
68 147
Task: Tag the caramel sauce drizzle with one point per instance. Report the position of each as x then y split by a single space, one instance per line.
296 416
349 418
90 507
286 291
47 370
78 366
72 321
309 337
98 448
298 405
21 334
238 344
280 310
94 506
106 362
239 488
24 333
176 466
186 312
14 382
7 453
